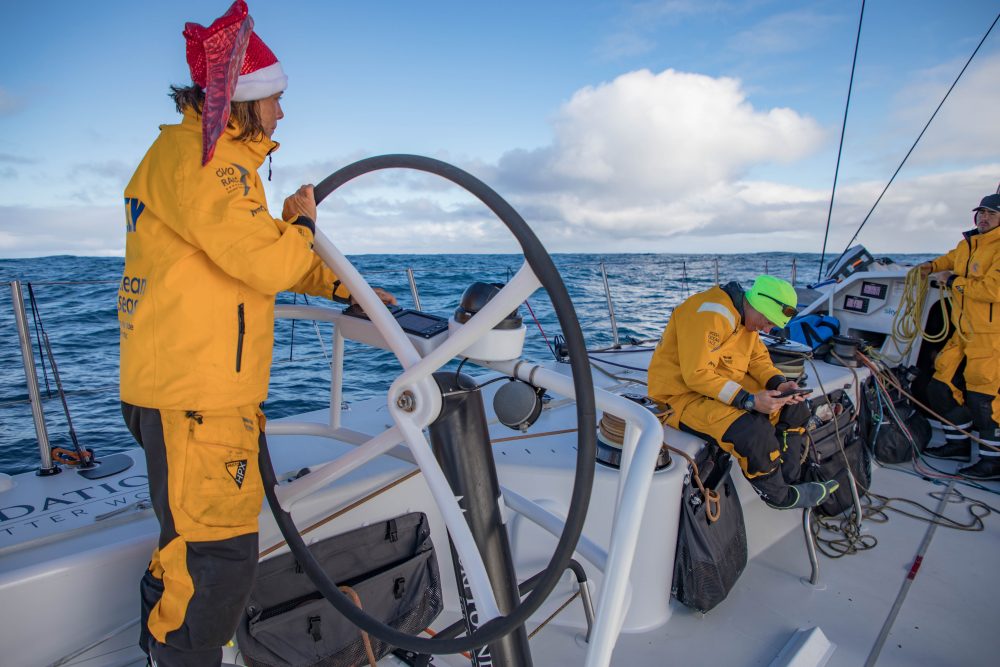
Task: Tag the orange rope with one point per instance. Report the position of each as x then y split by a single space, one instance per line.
70 457
711 497
351 593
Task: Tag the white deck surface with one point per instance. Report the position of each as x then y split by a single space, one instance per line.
948 616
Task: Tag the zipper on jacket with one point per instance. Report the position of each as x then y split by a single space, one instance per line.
968 261
239 338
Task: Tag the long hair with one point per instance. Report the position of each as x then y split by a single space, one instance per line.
242 115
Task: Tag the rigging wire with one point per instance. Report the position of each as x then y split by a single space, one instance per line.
614 363
83 457
900 167
37 318
840 148
540 329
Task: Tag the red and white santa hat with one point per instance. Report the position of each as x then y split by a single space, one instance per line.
231 64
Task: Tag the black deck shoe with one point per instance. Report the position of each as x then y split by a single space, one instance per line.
988 467
955 450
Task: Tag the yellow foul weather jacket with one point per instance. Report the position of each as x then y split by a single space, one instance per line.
976 263
976 314
203 262
706 351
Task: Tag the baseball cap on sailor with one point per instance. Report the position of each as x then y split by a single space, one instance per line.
990 203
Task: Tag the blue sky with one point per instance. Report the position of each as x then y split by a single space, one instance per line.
671 126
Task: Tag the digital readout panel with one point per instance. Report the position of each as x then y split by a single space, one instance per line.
874 290
857 304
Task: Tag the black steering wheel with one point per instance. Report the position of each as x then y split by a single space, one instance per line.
544 273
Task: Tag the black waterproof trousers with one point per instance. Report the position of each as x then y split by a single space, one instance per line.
769 454
206 491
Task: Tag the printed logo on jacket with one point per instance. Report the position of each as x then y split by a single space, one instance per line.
233 178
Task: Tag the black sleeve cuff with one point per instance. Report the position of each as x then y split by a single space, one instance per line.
306 222
775 381
741 396
335 297
951 279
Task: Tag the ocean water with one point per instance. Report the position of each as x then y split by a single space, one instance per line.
75 301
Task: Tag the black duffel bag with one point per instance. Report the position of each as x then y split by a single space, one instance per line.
825 461
390 565
896 435
711 555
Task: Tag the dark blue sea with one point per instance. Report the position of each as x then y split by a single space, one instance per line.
75 306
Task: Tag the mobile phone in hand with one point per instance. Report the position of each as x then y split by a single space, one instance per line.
794 392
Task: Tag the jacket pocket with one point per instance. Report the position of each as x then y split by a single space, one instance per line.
222 485
241 330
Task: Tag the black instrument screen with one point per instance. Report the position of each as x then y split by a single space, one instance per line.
858 304
411 321
874 290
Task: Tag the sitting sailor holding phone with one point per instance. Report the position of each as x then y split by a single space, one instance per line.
713 370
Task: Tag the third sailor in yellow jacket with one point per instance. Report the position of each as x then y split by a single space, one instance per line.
973 351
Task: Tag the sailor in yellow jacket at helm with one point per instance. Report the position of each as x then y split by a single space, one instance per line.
973 351
203 262
713 370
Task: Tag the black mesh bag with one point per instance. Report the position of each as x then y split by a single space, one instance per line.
710 555
390 565
825 461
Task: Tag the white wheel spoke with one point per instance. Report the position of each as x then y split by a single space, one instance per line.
458 529
333 470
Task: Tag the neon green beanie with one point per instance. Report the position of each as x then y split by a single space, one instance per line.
773 298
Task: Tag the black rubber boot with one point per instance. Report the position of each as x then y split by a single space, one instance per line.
988 467
955 450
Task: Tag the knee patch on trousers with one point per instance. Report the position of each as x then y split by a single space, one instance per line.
942 400
751 439
982 408
794 415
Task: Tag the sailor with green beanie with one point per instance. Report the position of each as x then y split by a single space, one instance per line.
713 370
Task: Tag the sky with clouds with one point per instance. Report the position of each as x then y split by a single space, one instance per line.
684 126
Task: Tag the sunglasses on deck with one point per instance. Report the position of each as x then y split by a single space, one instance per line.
786 310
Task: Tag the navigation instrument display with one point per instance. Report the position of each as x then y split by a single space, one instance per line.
411 321
858 304
874 290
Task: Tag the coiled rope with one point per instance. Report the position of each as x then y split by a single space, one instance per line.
906 323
